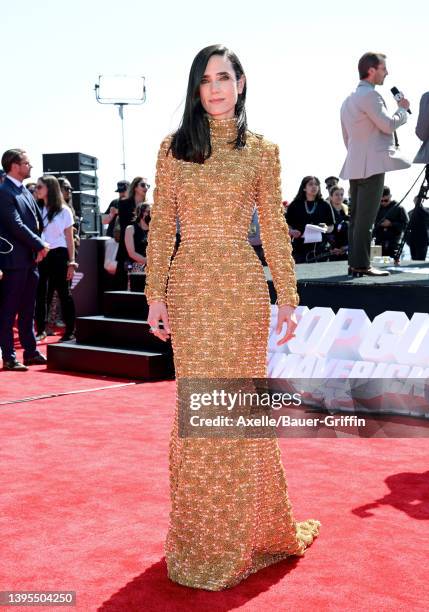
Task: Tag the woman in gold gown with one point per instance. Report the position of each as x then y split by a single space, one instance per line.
230 513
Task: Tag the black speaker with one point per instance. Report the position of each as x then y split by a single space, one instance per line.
79 180
90 223
68 162
75 168
84 199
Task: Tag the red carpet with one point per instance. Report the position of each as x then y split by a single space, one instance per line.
26 385
85 507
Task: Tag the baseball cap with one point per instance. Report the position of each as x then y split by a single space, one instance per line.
122 186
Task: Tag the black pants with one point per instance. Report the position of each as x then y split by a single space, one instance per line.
365 196
418 252
53 276
121 275
388 247
17 297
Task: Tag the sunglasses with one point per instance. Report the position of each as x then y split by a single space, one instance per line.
68 189
144 185
386 200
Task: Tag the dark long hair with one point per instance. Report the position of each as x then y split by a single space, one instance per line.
140 212
301 196
191 142
133 186
55 201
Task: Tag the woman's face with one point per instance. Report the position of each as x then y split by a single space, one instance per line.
337 197
145 215
41 191
311 189
219 88
141 189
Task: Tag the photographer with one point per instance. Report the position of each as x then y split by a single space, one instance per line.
390 224
418 233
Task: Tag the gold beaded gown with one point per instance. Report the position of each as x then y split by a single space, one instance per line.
230 512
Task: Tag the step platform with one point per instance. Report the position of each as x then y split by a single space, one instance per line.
116 343
125 305
141 365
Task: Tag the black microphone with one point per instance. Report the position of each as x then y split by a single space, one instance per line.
398 95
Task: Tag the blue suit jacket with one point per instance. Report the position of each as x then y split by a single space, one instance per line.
20 224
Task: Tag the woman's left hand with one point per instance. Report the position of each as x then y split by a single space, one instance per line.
286 314
70 272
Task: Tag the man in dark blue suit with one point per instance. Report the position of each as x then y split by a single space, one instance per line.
20 225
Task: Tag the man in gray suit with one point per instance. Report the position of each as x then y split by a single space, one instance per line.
418 234
422 130
368 135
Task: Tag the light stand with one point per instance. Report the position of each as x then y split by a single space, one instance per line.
136 95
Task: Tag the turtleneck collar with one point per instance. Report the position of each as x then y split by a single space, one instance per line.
223 128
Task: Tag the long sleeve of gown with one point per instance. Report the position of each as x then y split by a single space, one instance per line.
162 232
273 226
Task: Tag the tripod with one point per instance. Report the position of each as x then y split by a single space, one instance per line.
417 225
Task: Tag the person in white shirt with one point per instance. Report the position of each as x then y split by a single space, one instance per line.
57 269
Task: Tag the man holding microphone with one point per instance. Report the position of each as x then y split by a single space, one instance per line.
368 135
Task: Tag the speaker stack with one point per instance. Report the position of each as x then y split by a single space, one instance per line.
81 171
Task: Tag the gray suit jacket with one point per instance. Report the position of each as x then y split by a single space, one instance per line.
368 134
422 130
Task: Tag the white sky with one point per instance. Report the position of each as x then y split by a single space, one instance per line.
300 59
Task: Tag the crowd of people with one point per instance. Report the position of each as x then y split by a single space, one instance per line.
38 226
127 218
331 216
319 228
126 223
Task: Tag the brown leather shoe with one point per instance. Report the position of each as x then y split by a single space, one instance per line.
369 272
14 366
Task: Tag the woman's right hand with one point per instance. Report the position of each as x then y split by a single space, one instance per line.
157 313
293 233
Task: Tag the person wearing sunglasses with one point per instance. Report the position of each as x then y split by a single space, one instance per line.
20 226
53 301
136 237
137 194
109 217
390 224
67 193
57 269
